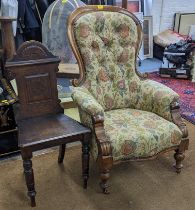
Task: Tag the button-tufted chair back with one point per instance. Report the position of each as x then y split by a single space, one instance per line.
108 43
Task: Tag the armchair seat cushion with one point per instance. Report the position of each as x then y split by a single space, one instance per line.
139 134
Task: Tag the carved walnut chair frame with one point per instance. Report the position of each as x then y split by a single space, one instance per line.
105 159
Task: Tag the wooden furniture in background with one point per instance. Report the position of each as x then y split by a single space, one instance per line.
8 127
7 36
68 70
40 118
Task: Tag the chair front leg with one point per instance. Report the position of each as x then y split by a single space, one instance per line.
179 157
105 165
105 159
177 119
85 158
29 175
179 154
62 149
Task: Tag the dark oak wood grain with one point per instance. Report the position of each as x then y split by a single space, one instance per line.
37 131
34 69
7 36
40 118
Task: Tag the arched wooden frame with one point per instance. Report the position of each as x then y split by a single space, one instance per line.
89 9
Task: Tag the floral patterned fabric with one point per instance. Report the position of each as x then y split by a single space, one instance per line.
86 101
107 42
135 111
135 133
156 97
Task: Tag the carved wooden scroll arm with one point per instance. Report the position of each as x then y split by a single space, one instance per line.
105 159
104 145
177 119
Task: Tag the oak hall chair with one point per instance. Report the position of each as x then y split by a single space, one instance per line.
132 117
40 118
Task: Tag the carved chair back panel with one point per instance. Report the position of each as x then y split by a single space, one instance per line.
108 43
36 81
37 90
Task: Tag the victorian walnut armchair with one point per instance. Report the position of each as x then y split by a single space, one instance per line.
132 117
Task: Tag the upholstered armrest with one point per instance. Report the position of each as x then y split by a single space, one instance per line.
157 98
87 102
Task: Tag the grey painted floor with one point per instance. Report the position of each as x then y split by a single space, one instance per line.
150 65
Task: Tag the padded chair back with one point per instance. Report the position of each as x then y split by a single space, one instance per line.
106 41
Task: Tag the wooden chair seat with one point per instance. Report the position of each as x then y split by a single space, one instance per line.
49 131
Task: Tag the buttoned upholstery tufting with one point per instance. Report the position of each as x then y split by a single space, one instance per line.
137 115
107 42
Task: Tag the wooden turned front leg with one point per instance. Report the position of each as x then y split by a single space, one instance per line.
105 165
29 176
179 157
85 159
61 153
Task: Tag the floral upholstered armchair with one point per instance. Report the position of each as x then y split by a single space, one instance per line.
132 118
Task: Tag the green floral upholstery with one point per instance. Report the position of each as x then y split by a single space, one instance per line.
155 97
136 133
107 43
87 102
137 118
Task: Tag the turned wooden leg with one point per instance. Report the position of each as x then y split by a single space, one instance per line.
179 157
105 164
85 160
61 153
29 176
104 176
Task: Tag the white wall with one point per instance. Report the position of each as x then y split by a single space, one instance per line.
163 12
147 7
